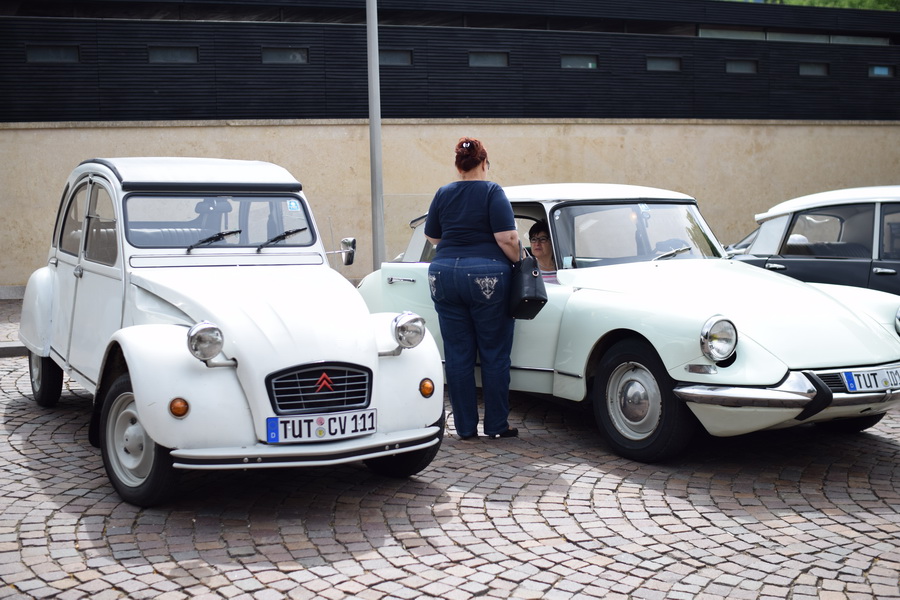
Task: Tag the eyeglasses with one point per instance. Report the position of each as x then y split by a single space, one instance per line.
539 240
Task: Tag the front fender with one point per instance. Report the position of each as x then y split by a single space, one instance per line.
396 391
36 323
162 368
591 315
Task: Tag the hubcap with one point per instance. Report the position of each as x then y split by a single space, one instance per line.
634 401
35 364
131 451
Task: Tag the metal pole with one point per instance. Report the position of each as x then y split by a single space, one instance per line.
378 247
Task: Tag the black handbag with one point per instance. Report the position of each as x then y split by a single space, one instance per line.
528 294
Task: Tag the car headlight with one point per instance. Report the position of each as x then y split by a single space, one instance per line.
718 339
205 340
408 329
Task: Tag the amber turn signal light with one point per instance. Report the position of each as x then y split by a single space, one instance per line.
179 407
426 387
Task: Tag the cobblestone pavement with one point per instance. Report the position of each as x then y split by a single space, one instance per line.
9 320
553 514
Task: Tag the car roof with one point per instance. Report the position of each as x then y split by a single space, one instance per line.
154 172
881 193
543 192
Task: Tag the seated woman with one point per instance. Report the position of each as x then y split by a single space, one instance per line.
542 249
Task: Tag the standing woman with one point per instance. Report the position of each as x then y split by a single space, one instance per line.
471 223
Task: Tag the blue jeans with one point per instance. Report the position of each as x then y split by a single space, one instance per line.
471 296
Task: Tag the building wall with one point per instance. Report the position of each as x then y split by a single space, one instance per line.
734 168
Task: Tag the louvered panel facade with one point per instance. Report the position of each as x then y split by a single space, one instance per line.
114 77
346 71
248 88
48 92
130 84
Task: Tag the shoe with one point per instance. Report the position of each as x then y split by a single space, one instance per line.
474 436
510 432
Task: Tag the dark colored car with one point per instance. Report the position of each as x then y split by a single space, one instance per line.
846 237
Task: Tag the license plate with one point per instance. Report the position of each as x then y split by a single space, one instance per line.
319 428
872 381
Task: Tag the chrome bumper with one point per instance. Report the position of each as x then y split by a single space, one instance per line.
803 391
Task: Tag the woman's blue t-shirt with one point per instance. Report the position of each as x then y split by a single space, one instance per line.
465 215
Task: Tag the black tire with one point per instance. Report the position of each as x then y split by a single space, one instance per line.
46 380
407 464
140 470
853 425
635 405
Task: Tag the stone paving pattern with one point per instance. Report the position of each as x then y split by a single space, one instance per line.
553 514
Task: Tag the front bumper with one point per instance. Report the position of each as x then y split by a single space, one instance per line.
803 396
261 456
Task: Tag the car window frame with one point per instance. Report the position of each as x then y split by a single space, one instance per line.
90 231
82 185
844 246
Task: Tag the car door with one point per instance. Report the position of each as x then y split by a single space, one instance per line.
65 262
884 275
98 293
828 245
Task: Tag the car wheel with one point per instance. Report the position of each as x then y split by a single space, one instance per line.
853 425
140 470
635 405
408 463
46 379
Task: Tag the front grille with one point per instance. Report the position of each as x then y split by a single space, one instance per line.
322 387
834 381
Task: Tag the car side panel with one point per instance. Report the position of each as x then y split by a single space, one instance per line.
97 315
885 276
841 271
403 286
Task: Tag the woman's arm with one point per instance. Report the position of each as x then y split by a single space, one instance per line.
509 243
434 241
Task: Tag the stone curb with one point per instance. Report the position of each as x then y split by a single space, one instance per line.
10 349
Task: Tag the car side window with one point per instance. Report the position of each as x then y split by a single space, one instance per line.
890 231
101 245
71 231
843 231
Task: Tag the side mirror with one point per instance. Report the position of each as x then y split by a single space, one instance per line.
348 250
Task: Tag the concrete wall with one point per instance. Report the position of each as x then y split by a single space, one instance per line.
734 168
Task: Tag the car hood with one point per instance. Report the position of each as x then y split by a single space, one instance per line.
797 322
283 315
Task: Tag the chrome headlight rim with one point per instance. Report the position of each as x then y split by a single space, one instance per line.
718 339
897 321
205 340
408 329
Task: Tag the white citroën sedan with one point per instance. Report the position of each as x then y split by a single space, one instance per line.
654 327
194 299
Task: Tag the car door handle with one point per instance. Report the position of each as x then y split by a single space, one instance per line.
775 267
79 271
396 279
881 271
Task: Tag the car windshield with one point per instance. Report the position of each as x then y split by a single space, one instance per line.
191 221
593 234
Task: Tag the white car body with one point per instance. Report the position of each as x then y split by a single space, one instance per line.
118 304
614 300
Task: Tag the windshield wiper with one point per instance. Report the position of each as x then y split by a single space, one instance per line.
672 252
279 237
212 239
